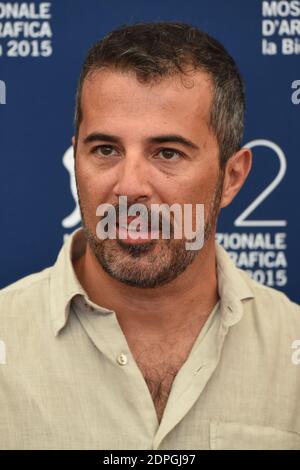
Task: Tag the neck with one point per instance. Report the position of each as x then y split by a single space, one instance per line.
185 301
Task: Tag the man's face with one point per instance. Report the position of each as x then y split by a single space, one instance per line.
129 159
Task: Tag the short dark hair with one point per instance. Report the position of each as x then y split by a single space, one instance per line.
161 49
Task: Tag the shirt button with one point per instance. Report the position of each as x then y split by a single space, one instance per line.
122 359
88 306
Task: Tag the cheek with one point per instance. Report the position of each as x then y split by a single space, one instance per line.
198 188
94 186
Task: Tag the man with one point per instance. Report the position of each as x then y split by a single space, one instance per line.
136 342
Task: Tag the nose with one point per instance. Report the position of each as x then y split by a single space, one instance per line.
133 179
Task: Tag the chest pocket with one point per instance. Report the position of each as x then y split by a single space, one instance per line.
237 436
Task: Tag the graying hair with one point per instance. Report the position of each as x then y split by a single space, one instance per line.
161 49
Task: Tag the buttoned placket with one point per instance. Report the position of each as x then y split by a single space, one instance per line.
103 329
191 378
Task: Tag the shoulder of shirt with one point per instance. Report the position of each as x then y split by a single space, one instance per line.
274 299
24 299
26 284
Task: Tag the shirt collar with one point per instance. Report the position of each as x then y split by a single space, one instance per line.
64 284
233 286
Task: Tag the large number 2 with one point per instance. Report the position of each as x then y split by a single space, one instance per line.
241 220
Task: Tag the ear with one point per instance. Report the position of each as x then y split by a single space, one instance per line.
73 141
237 169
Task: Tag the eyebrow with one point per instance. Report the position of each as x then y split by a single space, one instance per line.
159 139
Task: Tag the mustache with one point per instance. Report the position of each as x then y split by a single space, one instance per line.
148 217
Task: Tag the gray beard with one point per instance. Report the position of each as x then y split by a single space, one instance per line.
145 265
151 264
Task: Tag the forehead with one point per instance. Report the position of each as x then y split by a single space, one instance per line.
111 97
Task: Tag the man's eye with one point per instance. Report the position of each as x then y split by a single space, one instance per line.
104 150
170 154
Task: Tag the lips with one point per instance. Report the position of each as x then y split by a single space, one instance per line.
125 225
135 235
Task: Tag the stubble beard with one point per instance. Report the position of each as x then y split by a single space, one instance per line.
151 264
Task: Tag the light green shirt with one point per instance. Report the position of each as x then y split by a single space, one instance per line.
68 379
